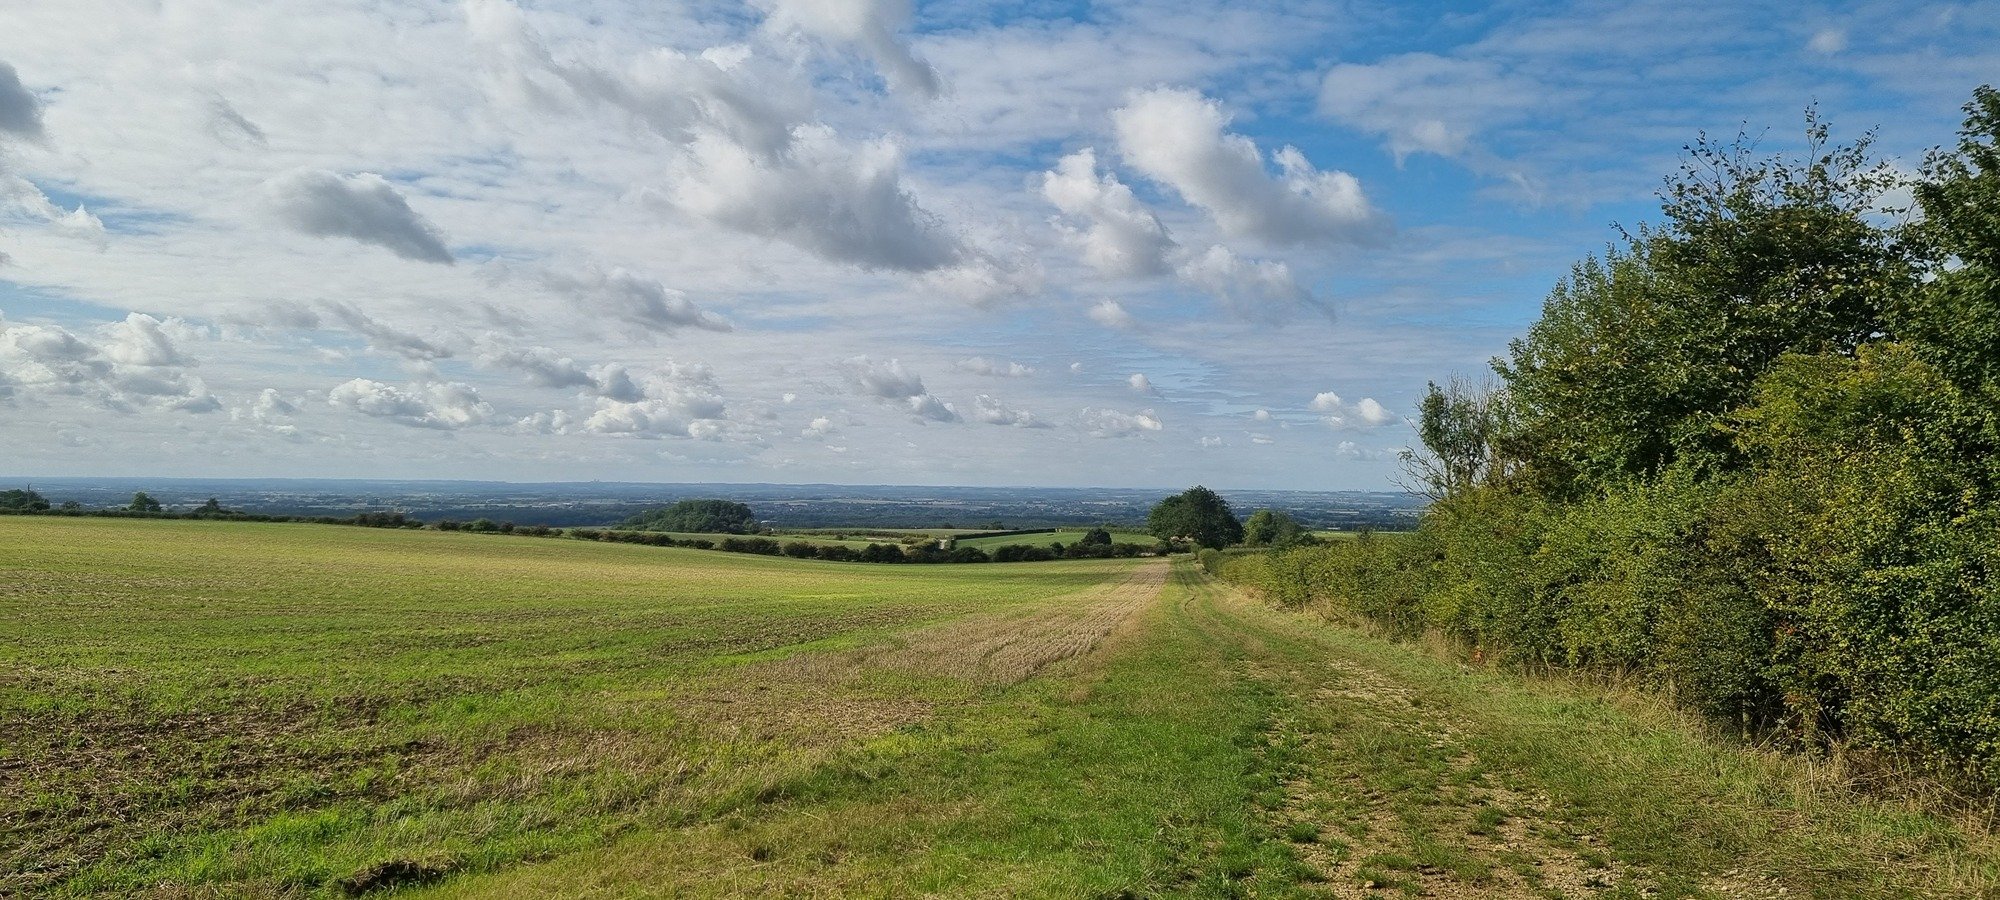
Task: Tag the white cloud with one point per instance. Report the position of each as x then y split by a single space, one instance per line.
1178 138
980 365
1828 41
672 400
1261 290
142 340
843 203
1112 314
1367 413
1140 384
631 297
1373 413
1108 423
891 382
436 404
1262 415
363 207
818 428
1120 236
869 25
992 411
1425 103
136 367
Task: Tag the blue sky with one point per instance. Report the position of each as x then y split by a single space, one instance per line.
1129 244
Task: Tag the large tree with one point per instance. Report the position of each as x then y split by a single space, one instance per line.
1196 514
1639 356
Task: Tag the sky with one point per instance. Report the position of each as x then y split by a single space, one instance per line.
1133 244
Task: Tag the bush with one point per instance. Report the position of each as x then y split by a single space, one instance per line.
757 545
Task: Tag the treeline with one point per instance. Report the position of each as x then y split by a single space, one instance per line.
1751 454
925 552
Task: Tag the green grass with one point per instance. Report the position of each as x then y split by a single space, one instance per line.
278 706
206 708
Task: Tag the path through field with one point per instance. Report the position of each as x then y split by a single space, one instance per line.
205 710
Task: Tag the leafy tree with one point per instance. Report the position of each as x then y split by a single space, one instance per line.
1954 319
698 517
1459 424
1095 536
23 500
1197 514
1271 528
141 502
1638 356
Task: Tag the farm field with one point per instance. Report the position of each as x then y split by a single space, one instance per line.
200 708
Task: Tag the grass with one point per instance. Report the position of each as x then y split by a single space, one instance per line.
280 706
299 710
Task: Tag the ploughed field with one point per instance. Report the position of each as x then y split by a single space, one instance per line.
218 709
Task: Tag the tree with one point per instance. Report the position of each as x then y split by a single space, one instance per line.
697 517
1271 528
212 506
1954 319
1458 424
27 500
1197 514
1640 355
1098 535
141 502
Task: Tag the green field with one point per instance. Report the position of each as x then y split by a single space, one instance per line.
209 709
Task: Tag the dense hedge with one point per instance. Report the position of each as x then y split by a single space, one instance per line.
1753 456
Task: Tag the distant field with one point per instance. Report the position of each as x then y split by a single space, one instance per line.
1067 536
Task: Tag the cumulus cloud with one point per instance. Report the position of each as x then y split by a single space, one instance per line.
1425 103
1140 384
673 400
20 112
135 366
1178 138
633 298
992 411
1111 314
818 428
868 25
142 340
363 207
435 404
843 203
980 365
1367 413
1109 423
1262 415
1372 413
891 382
1262 290
1118 234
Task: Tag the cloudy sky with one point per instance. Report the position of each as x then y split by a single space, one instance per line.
1138 243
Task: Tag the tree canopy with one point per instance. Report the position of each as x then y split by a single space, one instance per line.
1198 515
1272 528
697 517
23 500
